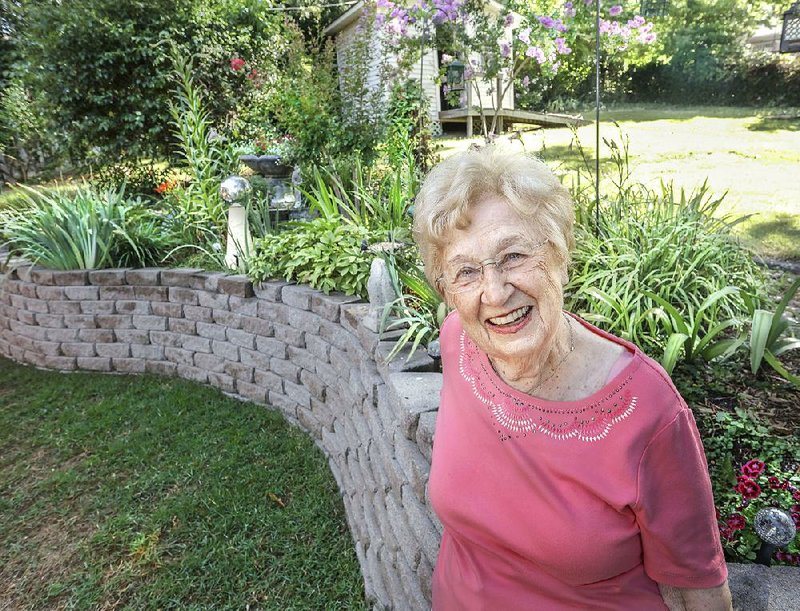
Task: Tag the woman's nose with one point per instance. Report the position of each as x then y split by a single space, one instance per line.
496 289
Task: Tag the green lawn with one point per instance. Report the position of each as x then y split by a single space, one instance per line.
142 492
753 155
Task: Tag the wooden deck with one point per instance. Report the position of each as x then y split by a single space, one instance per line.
508 116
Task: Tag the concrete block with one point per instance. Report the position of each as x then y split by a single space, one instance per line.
302 358
166 338
225 350
132 336
252 392
47 348
114 321
61 335
197 344
328 306
255 359
80 321
34 358
289 335
414 598
309 423
271 347
410 550
297 393
161 367
150 323
103 336
37 305
149 353
198 313
285 369
116 350
195 374
97 307
217 301
184 277
18 301
29 318
226 318
94 363
211 331
51 321
351 315
327 373
62 363
322 413
182 295
51 293
257 326
418 519
425 577
209 362
267 310
238 286
179 356
222 381
65 307
297 296
147 276
270 290
135 307
246 306
383 600
297 319
337 337
107 277
268 380
82 293
412 394
163 308
41 275
318 347
151 293
238 371
71 278
182 326
424 438
77 349
113 293
242 338
313 384
129 365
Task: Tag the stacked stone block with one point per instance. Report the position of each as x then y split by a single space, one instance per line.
282 345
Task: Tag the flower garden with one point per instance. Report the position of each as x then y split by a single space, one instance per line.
138 240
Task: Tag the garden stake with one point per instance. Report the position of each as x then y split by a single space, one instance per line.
776 529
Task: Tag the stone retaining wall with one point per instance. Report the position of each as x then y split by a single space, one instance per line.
283 345
302 352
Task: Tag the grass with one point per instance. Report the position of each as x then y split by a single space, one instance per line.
752 154
143 492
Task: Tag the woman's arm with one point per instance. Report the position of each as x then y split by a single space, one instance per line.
697 599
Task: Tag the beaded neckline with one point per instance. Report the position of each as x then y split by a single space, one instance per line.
515 414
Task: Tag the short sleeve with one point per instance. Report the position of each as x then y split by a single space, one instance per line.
675 509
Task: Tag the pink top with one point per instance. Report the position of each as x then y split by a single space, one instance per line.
562 505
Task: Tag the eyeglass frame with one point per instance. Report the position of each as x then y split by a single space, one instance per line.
481 265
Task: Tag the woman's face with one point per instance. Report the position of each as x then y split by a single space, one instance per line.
513 317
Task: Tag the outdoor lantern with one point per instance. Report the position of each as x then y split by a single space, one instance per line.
790 35
234 190
455 75
653 8
776 528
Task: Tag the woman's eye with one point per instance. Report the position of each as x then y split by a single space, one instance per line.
465 274
513 259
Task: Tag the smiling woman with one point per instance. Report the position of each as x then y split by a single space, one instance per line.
550 431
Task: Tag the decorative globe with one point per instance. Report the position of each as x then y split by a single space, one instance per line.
775 526
234 189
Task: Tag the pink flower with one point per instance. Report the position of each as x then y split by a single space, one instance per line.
615 10
536 53
525 36
736 521
505 49
526 81
509 20
647 38
561 46
774 482
725 532
252 74
795 494
237 63
569 12
753 468
748 488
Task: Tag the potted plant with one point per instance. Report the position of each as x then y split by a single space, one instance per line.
274 156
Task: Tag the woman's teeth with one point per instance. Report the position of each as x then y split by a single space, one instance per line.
511 316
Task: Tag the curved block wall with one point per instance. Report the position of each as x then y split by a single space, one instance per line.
282 345
302 352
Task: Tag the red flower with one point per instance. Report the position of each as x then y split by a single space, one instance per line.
796 518
753 468
736 521
252 74
725 532
774 482
237 63
795 508
795 494
748 488
165 187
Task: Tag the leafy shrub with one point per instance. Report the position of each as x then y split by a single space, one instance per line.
136 178
324 253
84 230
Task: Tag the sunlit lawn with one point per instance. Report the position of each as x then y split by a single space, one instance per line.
752 154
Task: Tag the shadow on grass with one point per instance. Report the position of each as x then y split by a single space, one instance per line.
778 234
787 122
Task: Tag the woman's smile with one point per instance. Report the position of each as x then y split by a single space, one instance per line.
511 322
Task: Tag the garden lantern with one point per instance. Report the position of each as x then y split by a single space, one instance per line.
790 35
455 75
234 190
653 8
776 528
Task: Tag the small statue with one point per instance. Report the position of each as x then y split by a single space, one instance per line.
380 291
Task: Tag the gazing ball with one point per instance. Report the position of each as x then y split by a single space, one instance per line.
234 189
775 526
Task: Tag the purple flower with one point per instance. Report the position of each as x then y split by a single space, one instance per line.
536 53
636 21
546 21
505 49
615 10
525 36
646 28
569 12
568 5
526 81
559 25
647 37
508 21
562 47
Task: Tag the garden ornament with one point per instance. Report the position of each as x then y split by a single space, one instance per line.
776 528
234 190
380 291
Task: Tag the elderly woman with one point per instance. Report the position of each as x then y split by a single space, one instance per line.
567 470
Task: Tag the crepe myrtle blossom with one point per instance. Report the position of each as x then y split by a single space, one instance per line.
569 10
537 53
615 10
562 47
525 35
505 49
508 21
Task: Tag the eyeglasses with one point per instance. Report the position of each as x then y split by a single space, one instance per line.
466 277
